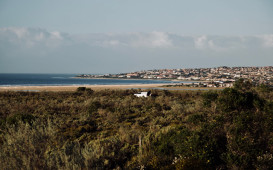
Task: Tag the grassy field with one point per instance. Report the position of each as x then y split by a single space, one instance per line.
113 129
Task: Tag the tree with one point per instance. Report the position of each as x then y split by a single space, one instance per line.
243 85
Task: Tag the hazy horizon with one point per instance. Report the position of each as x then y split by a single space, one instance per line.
125 72
98 37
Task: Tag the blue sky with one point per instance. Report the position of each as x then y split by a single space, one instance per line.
110 36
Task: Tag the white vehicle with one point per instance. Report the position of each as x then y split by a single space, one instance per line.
143 94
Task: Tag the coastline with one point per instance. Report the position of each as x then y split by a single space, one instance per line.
74 87
97 87
170 80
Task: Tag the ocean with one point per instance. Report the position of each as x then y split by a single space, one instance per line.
67 79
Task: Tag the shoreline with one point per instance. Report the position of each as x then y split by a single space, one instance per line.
74 87
98 87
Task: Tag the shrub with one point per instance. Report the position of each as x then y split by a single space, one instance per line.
209 97
81 89
25 118
84 89
94 106
232 99
112 129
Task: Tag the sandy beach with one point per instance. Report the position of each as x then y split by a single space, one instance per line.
93 87
73 88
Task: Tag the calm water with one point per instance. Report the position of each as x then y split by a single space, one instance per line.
65 79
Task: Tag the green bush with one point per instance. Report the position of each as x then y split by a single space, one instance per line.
84 89
209 97
112 129
81 89
25 118
231 99
94 106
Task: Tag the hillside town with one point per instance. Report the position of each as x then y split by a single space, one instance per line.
200 77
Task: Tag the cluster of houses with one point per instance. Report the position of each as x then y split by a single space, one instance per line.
210 77
204 84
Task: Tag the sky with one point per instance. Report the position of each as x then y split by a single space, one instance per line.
113 36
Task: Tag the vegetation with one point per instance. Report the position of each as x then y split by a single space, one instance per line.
113 129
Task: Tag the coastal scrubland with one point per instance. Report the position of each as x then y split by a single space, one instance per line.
113 129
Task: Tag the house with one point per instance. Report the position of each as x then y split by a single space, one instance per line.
132 75
143 94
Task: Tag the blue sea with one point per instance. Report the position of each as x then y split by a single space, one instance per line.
67 79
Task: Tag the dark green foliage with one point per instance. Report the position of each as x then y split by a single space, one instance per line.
232 99
94 106
84 89
191 148
209 97
113 129
25 118
196 118
264 88
81 89
243 85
